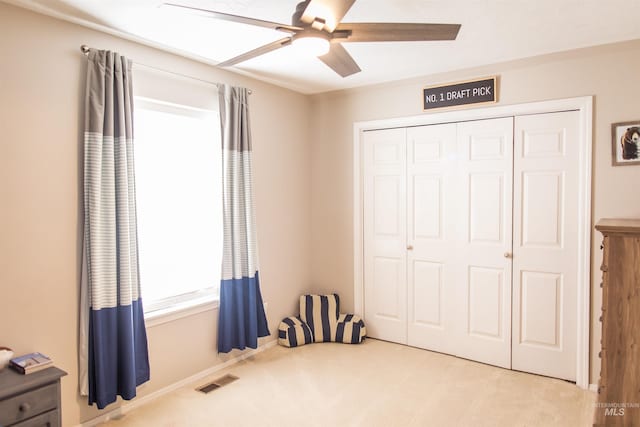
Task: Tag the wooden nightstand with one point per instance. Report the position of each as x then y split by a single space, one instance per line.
30 400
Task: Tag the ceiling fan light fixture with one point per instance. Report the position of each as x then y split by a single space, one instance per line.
315 44
317 29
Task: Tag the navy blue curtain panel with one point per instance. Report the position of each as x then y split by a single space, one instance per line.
242 318
113 341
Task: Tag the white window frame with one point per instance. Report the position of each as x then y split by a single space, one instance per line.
190 303
179 306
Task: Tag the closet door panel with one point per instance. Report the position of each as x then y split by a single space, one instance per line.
385 260
485 296
486 199
431 202
545 250
484 223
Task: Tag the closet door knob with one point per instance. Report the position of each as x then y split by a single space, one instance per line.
508 255
409 247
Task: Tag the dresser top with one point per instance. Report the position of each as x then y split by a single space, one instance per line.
12 383
619 225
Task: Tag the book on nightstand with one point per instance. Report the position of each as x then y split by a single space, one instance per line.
30 363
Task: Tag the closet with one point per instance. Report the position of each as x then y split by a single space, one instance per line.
470 239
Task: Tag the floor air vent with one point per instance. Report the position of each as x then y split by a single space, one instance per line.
217 383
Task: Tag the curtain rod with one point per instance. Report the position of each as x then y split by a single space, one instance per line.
85 50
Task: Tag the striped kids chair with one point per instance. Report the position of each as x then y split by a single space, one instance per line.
320 321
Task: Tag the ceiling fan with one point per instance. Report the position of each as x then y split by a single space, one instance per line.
316 25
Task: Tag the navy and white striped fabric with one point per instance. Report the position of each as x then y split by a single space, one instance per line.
350 329
321 313
293 332
321 319
113 343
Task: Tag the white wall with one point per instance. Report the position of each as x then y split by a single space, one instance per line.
608 72
42 78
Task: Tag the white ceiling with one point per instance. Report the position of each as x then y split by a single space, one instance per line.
492 31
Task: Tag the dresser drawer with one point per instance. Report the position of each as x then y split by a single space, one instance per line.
48 419
28 405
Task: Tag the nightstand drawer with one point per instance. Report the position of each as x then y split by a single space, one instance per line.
29 404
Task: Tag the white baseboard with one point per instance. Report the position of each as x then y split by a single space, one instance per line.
128 406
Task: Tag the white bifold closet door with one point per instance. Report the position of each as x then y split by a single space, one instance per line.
483 261
385 225
470 233
431 237
545 244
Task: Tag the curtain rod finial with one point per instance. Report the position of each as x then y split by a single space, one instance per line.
84 49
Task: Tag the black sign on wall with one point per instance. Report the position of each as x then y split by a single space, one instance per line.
461 93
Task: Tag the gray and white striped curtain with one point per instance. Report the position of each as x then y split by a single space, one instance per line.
113 342
242 318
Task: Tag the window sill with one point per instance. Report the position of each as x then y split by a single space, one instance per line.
179 311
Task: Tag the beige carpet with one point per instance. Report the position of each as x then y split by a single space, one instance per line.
372 384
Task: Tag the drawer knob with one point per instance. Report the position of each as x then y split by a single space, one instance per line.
24 407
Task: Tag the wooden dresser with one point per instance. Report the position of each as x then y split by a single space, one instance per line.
31 400
619 386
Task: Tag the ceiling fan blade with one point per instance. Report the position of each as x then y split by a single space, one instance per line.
398 32
235 18
339 60
331 11
256 52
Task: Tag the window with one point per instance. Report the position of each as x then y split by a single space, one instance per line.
178 190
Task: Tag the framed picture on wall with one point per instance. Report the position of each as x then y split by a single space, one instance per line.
625 147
